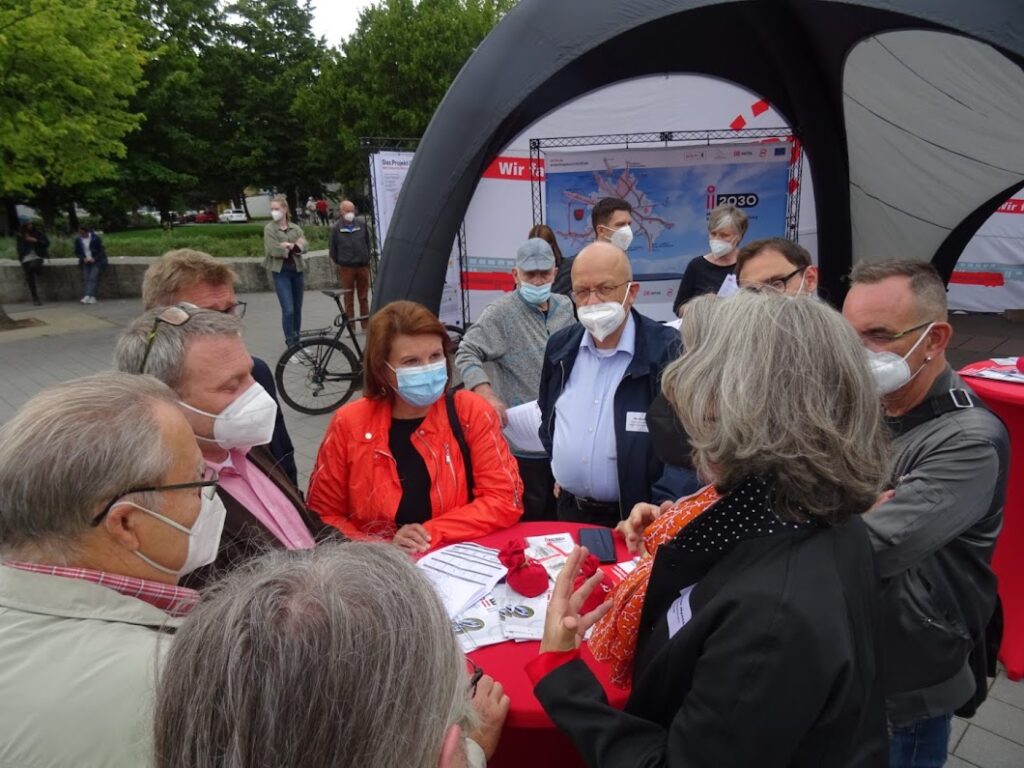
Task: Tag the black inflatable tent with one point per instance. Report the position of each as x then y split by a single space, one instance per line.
910 112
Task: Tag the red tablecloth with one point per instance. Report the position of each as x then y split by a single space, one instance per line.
1007 400
530 738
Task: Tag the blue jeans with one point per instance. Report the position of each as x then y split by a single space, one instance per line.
921 745
90 275
289 286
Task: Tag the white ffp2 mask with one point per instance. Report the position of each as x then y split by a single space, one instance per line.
248 420
203 536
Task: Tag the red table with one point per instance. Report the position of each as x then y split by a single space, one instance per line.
1007 400
530 738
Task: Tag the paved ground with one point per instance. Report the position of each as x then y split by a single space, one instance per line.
77 340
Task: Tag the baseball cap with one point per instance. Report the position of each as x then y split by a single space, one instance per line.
535 254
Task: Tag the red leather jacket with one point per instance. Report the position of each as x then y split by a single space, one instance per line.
355 485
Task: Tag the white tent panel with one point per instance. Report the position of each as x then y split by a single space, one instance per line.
916 104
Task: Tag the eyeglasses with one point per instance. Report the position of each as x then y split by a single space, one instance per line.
475 673
235 310
880 337
208 483
177 315
777 283
603 292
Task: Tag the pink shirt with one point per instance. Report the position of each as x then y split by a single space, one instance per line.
265 501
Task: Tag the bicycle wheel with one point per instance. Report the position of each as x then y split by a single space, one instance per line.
318 374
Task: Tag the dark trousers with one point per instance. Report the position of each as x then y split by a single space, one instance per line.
90 277
538 490
31 268
356 280
575 510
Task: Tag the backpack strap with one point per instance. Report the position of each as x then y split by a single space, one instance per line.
460 438
954 400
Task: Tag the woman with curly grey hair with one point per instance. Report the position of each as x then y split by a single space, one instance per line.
758 637
336 656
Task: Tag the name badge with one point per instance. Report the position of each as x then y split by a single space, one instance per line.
679 613
636 421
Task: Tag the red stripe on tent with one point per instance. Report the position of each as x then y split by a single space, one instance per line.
759 108
738 123
793 184
1013 205
988 279
515 168
772 140
488 281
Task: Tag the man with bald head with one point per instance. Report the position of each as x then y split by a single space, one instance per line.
350 249
599 377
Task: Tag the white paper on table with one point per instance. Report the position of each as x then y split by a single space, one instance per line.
522 617
1004 360
480 624
550 551
462 574
1013 377
523 426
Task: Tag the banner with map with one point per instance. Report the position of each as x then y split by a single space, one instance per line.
672 190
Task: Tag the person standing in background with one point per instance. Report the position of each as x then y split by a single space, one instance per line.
512 334
350 249
92 258
32 247
283 246
611 219
727 226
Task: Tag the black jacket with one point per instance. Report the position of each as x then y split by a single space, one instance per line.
778 665
350 248
642 477
281 442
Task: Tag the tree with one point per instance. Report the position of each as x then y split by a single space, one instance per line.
392 74
67 71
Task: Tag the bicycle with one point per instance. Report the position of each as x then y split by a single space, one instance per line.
319 373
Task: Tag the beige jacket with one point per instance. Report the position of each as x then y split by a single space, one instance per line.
78 673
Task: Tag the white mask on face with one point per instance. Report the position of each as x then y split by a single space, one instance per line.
203 536
622 237
720 247
349 217
276 214
603 319
892 372
248 420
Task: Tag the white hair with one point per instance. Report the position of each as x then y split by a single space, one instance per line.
781 389
72 449
338 655
726 216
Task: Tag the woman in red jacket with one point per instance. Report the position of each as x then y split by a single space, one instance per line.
391 465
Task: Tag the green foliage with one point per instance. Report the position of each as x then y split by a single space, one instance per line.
67 72
391 75
216 239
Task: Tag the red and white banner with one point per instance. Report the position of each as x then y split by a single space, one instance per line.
989 277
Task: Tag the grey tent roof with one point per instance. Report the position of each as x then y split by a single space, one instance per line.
922 114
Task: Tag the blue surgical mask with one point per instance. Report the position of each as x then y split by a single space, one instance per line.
422 385
535 294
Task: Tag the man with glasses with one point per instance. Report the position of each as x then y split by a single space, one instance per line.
200 279
598 380
200 354
935 530
105 503
776 263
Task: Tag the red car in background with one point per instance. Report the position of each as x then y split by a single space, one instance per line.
206 217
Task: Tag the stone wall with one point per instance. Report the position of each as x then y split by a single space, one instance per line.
61 279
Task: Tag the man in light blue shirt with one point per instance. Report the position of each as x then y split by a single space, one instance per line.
599 377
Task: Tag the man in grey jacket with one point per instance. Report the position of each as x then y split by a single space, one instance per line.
934 532
512 334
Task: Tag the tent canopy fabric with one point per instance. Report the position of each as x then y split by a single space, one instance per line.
906 110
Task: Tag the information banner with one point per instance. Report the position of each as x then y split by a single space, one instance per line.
672 190
989 277
387 175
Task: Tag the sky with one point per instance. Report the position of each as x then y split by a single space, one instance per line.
335 20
